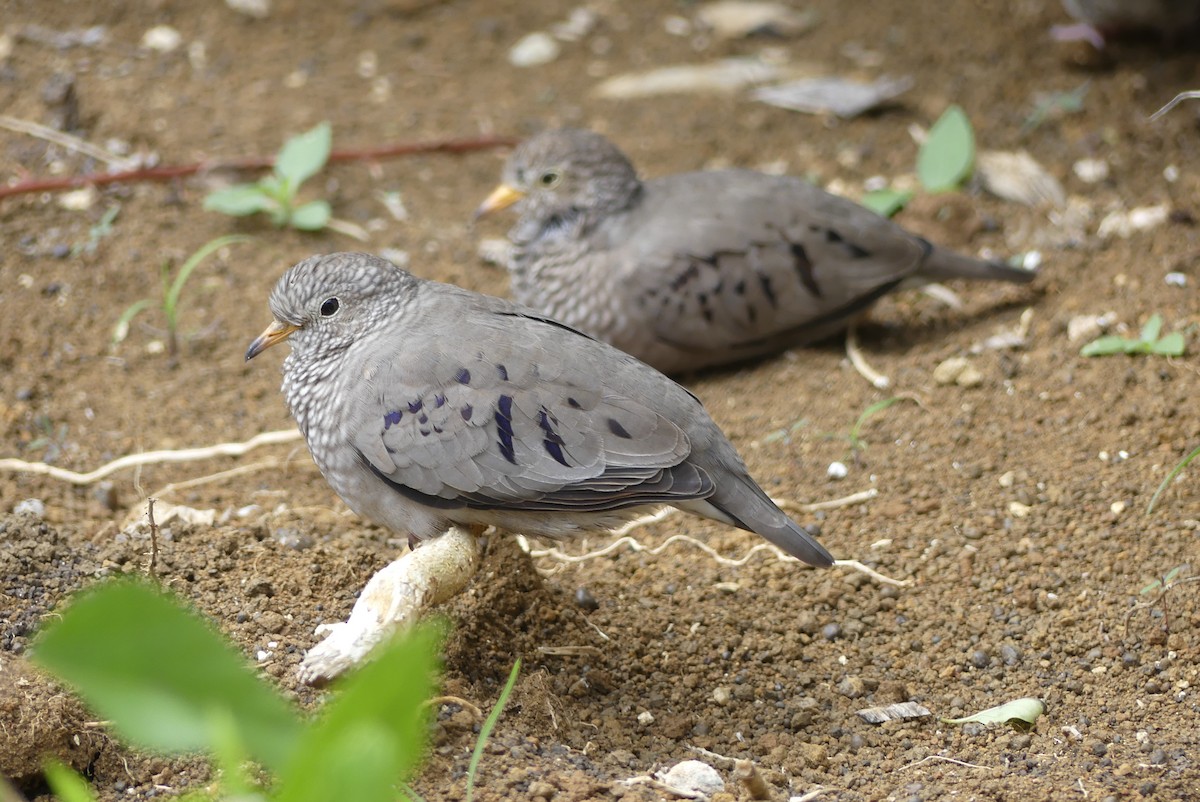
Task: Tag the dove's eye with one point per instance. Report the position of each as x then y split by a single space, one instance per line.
330 307
549 178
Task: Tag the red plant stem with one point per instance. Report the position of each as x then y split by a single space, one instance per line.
252 163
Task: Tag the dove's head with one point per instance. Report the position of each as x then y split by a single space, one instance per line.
325 303
563 179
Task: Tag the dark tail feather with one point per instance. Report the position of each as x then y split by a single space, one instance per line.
942 264
758 514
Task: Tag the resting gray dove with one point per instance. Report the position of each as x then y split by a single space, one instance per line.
700 269
426 406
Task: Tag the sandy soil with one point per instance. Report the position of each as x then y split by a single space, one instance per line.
1014 510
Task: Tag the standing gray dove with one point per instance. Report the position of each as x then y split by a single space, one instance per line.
1174 20
426 406
700 269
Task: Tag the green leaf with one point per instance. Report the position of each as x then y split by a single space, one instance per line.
121 329
158 672
1106 346
66 784
1170 478
485 731
304 155
1151 328
239 201
948 154
171 298
311 216
1020 713
371 734
1171 345
886 202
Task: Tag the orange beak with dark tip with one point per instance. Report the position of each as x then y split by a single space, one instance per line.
502 197
275 333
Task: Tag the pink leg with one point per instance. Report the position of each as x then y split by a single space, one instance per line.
1080 31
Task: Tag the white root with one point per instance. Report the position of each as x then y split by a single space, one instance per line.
864 369
150 458
398 594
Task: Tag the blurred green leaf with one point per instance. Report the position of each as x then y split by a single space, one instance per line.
1106 345
66 784
239 201
371 734
1151 328
1171 345
304 155
312 216
948 154
886 202
160 673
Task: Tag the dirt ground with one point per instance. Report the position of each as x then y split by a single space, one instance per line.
1013 510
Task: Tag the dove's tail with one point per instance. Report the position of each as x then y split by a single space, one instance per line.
741 503
942 264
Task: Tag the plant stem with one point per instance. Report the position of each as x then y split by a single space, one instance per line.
167 173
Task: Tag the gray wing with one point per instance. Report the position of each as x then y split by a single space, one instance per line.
736 259
523 427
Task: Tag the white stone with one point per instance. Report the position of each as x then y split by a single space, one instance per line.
33 506
645 718
697 779
837 470
162 39
533 50
1090 171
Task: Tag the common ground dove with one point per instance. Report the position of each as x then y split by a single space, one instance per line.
426 405
1172 19
705 268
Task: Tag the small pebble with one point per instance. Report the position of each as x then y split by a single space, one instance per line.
1175 279
837 470
585 599
645 718
699 780
31 506
1010 655
957 370
533 50
1090 171
831 631
162 39
980 659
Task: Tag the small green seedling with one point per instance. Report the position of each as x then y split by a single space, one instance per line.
1021 714
172 289
1147 342
50 437
854 436
102 229
944 162
1165 581
1171 477
166 681
485 731
1053 104
300 159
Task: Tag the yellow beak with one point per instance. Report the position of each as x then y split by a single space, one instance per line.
275 333
502 197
